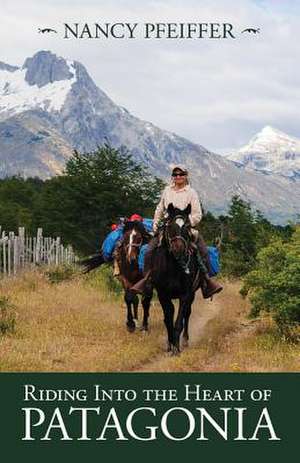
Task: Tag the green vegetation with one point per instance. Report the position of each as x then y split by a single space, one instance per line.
59 273
266 256
244 233
96 189
274 284
7 316
103 280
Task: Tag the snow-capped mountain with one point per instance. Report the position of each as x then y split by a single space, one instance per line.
50 106
271 151
44 86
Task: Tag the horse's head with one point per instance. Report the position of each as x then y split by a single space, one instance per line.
133 240
177 230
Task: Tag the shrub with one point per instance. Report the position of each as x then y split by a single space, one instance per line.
61 273
104 278
7 316
274 284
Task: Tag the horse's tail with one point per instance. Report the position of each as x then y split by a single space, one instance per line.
92 262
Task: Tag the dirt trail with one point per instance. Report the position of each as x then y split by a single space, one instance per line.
202 312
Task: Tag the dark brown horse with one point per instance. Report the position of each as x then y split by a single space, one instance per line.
134 237
175 274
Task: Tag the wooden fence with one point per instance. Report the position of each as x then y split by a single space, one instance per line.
20 251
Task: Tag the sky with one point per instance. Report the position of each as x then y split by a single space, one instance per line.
217 93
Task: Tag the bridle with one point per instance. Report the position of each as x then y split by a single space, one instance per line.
134 245
170 240
130 245
177 237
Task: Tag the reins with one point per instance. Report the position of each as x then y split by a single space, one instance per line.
187 254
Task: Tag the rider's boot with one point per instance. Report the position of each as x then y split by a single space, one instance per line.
209 287
143 286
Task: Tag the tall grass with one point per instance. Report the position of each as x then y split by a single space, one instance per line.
78 323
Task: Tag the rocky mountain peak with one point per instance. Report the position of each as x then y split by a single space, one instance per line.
269 130
270 139
45 67
271 150
270 136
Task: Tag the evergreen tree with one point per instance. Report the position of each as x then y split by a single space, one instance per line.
17 202
210 228
239 244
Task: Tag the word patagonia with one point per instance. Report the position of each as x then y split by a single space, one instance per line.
176 424
120 30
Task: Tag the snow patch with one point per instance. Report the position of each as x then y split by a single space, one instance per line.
271 151
17 96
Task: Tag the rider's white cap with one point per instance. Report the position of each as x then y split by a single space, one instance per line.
179 167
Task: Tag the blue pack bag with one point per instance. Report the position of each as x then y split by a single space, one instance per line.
148 224
141 259
110 242
214 258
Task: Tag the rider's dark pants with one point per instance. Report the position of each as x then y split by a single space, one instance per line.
148 256
203 251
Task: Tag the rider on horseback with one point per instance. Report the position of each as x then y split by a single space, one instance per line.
180 194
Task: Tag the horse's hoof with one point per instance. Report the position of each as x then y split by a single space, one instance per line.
131 328
185 342
137 323
175 351
144 328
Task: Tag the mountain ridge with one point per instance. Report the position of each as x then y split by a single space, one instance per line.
60 98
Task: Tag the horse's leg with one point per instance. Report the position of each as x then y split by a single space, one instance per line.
146 300
184 312
135 308
128 298
186 323
168 309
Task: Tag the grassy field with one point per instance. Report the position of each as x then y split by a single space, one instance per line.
79 325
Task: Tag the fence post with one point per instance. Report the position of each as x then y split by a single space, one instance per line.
30 251
21 242
9 256
57 249
4 240
38 245
16 254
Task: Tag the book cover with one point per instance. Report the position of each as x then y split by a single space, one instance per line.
149 229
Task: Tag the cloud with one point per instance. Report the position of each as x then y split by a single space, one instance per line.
217 93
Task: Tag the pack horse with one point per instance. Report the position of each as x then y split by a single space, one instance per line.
134 236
